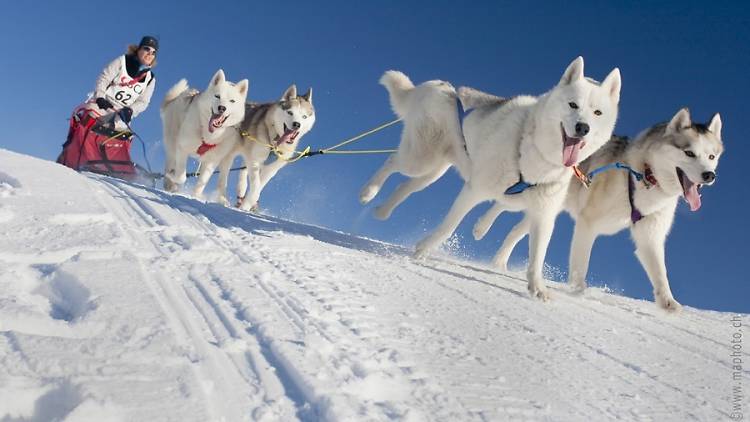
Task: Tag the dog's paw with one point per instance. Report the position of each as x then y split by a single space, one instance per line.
668 303
539 291
501 263
577 286
367 193
480 229
223 200
248 206
382 213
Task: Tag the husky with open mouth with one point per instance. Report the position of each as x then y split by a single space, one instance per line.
277 126
194 123
521 153
675 159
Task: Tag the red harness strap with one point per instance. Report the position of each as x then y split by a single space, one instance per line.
204 148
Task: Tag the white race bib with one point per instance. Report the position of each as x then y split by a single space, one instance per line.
124 90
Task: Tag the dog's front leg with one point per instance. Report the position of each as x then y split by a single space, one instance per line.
482 226
383 212
251 197
516 234
268 171
649 235
466 200
376 181
221 185
207 169
541 226
580 254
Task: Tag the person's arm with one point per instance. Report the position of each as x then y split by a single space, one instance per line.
144 99
106 77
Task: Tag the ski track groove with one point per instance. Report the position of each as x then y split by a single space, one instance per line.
229 402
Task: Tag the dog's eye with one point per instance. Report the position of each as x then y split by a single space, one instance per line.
304 116
231 101
573 105
598 112
690 154
217 96
290 113
711 157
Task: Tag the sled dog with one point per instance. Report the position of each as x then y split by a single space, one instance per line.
279 125
194 123
519 152
676 159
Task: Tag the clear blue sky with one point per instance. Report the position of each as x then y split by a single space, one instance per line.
671 54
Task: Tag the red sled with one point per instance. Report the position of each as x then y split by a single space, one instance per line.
98 148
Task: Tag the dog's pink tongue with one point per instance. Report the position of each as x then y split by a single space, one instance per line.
692 197
212 122
570 153
287 137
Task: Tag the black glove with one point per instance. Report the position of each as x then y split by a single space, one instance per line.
103 103
126 114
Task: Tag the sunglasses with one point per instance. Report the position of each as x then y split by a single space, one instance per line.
149 50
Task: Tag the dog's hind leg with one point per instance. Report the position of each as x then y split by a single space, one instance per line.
580 254
466 200
484 223
383 212
649 235
376 181
511 240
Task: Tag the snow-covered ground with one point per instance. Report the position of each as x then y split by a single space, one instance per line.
121 302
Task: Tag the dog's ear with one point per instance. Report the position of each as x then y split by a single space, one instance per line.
612 83
308 95
243 87
574 72
290 93
218 78
680 121
715 125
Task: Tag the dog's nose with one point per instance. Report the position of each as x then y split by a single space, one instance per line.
582 129
296 125
708 176
222 109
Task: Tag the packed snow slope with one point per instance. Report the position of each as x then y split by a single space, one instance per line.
121 302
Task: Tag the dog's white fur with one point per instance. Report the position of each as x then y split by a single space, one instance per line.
504 140
431 140
604 208
282 124
190 118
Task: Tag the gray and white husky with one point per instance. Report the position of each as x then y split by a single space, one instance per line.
524 139
280 124
677 158
194 123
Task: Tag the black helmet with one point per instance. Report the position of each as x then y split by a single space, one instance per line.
149 41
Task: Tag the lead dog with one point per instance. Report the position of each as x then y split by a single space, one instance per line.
677 158
524 141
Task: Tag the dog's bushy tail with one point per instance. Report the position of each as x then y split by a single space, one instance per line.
398 86
175 92
474 98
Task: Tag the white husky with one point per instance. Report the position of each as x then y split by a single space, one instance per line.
525 141
194 122
676 159
280 124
